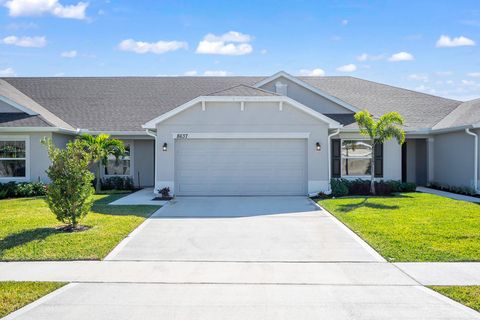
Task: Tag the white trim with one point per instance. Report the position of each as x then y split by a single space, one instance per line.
18 106
242 106
329 155
475 159
113 133
37 129
152 123
27 157
307 86
243 135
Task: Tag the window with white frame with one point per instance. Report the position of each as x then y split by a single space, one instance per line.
13 158
356 158
120 166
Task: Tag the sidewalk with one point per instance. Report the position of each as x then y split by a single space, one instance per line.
329 273
449 194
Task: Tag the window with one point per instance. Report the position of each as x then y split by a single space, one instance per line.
356 158
13 158
120 166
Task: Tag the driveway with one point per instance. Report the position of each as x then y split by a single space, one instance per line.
237 258
276 229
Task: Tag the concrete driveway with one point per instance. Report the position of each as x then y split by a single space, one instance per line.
237 258
278 229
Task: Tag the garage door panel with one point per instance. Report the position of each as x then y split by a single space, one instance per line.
240 167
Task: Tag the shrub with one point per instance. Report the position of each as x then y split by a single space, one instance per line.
382 188
117 183
399 186
339 187
22 189
454 189
70 192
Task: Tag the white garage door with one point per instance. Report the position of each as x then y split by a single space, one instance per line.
241 167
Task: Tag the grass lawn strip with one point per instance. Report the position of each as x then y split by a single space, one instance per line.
14 295
415 227
30 231
467 295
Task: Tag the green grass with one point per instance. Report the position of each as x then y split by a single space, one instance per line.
14 295
467 295
29 230
413 226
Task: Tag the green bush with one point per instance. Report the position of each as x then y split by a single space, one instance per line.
360 187
117 183
21 189
339 187
70 193
454 189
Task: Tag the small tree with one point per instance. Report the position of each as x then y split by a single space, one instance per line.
69 194
385 128
100 147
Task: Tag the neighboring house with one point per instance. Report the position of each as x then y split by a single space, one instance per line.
278 135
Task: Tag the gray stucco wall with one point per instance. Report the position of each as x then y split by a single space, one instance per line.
454 159
417 161
257 117
307 97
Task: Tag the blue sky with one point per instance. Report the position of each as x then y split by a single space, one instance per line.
429 46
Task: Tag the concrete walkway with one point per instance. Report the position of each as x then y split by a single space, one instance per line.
235 258
443 273
449 194
141 197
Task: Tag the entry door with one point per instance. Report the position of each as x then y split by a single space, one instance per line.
241 167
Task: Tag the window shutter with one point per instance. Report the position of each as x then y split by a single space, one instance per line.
378 158
336 158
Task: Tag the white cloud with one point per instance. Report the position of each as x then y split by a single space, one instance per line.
69 54
347 68
28 42
152 47
317 72
418 77
401 56
59 74
369 57
232 43
425 89
191 73
474 74
19 8
215 73
7 72
445 41
344 22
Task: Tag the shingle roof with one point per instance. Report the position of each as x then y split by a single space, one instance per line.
243 91
466 114
125 103
22 120
419 110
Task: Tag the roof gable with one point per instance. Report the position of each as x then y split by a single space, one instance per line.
243 90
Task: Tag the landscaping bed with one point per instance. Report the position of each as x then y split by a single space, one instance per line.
14 295
30 231
413 226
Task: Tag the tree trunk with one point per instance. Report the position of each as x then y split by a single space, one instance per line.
97 184
372 178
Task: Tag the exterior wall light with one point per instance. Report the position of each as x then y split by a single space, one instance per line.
318 147
164 147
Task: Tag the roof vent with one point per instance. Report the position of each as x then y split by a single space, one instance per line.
281 88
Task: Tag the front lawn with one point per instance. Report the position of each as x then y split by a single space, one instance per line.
413 226
467 295
29 230
14 295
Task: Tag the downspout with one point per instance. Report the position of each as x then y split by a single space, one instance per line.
329 142
154 135
475 161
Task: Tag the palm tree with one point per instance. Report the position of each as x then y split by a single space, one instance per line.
387 127
101 147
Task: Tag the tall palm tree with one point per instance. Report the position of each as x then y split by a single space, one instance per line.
387 127
101 146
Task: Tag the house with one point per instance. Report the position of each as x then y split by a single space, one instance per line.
277 135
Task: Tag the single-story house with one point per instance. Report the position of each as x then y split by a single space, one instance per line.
276 135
